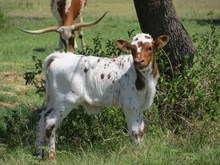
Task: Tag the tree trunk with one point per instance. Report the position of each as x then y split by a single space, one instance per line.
158 17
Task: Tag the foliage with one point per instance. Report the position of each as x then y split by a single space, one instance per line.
194 92
35 77
16 125
109 50
81 129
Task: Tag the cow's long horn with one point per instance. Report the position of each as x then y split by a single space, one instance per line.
80 25
41 31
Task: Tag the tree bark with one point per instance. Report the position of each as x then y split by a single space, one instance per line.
158 17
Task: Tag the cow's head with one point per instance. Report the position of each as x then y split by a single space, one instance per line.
66 32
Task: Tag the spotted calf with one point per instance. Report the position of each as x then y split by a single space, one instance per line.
127 82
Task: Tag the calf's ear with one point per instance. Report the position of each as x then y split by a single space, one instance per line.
123 45
161 41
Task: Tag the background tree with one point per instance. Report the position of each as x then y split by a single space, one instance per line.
158 17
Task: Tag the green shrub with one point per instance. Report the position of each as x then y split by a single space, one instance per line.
35 76
17 126
81 129
194 93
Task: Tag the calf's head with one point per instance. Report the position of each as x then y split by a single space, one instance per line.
142 47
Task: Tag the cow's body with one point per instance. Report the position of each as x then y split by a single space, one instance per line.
68 12
128 82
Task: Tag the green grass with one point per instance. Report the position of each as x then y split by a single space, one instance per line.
158 148
200 146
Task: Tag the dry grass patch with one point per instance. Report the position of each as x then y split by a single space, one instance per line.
11 77
7 104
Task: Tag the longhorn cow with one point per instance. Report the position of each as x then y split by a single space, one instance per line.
69 17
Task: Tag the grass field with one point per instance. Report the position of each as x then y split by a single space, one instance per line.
17 49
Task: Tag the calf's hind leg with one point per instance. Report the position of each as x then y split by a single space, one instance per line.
41 132
52 121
